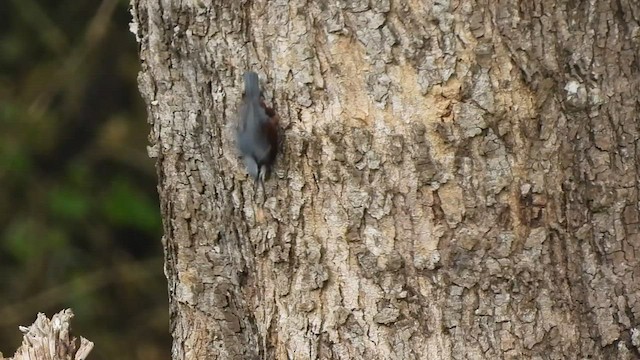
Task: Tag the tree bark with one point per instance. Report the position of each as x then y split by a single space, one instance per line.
459 179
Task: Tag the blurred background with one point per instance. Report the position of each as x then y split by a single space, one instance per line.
79 216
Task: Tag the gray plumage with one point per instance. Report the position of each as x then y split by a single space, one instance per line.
256 130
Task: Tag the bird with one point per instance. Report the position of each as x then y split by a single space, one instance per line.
257 131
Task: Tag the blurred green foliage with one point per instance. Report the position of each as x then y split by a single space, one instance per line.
79 217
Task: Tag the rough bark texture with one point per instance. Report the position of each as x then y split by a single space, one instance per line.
459 178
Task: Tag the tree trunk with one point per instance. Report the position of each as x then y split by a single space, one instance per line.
458 179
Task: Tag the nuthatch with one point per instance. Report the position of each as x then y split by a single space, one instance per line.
257 131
